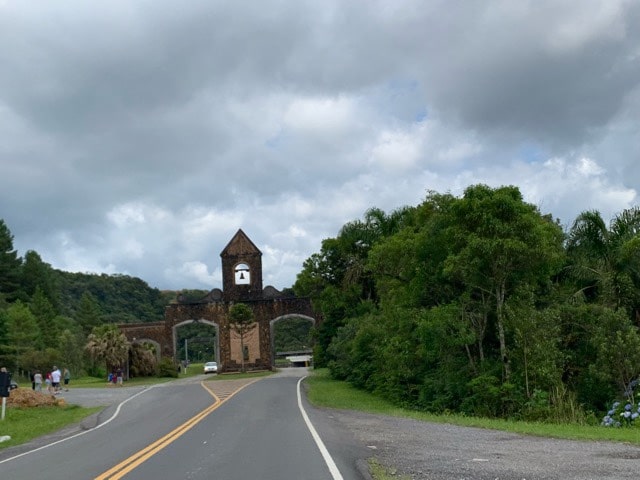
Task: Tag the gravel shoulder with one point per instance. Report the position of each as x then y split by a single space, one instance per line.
422 450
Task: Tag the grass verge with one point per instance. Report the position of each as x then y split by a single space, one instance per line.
25 424
326 392
380 472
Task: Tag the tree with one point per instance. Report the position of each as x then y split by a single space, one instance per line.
338 279
23 333
536 342
107 344
241 322
606 261
617 343
45 315
89 313
142 360
502 243
10 265
37 274
70 344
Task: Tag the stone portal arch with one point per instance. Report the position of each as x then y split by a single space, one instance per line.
242 282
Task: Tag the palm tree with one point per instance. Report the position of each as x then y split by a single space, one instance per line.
106 343
606 261
356 239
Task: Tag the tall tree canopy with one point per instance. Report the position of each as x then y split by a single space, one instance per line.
10 264
605 261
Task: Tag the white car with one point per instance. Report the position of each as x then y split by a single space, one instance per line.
211 367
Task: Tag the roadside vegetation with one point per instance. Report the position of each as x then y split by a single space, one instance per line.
25 424
324 391
481 306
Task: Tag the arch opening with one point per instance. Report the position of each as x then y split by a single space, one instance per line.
291 341
242 274
196 341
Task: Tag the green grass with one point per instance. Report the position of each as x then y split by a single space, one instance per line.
380 472
192 370
326 392
25 424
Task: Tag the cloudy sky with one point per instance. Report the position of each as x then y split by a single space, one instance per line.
136 137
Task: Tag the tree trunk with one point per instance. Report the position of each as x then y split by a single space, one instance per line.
242 352
506 362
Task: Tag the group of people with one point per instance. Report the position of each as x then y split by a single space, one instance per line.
116 377
55 380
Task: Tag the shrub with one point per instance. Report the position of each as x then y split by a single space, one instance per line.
167 368
621 415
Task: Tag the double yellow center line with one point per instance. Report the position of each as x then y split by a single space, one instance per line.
143 455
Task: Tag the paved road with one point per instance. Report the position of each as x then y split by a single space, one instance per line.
258 432
180 430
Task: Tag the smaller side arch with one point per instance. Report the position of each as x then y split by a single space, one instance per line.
153 342
272 328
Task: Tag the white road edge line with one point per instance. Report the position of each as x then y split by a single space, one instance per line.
115 414
335 473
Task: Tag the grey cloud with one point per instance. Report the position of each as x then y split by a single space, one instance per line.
182 105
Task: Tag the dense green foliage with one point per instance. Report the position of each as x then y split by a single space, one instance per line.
200 341
481 305
292 335
119 298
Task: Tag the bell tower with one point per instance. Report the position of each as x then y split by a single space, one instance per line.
241 269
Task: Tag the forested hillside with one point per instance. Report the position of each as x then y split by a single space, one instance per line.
482 305
120 298
46 315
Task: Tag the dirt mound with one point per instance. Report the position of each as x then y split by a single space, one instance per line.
25 397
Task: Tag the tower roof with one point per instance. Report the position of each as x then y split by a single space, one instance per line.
240 244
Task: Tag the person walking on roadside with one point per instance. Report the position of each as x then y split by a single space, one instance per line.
66 374
37 378
47 381
56 375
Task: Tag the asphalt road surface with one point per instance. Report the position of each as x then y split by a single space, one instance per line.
233 429
229 429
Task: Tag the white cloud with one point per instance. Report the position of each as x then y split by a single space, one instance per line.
397 151
320 116
139 141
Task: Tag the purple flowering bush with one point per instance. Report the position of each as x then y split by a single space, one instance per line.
621 415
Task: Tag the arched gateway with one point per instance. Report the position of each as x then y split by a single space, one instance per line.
242 283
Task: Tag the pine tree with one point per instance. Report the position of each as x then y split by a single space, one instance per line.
10 265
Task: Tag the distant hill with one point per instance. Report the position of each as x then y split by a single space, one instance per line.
121 298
